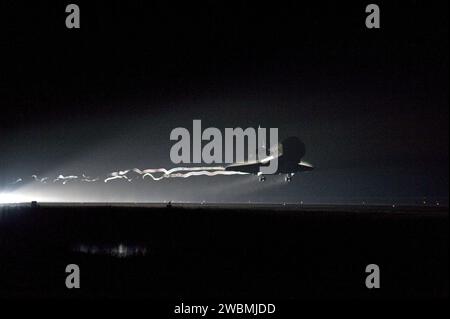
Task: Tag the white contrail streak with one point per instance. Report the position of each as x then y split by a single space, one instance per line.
153 177
177 169
19 180
156 174
89 179
192 171
206 173
65 179
40 180
117 177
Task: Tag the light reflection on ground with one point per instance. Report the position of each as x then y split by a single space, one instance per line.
118 251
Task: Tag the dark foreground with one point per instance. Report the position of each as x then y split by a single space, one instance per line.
232 253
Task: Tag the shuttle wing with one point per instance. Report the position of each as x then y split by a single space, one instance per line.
305 166
249 167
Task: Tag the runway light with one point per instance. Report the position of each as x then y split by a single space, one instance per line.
9 198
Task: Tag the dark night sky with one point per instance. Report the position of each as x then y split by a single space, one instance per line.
370 105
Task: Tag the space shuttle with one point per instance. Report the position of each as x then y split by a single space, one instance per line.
289 155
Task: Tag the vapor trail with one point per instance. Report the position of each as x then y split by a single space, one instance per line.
153 173
207 173
40 180
19 180
117 177
65 179
192 171
89 179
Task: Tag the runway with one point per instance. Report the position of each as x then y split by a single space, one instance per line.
210 251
